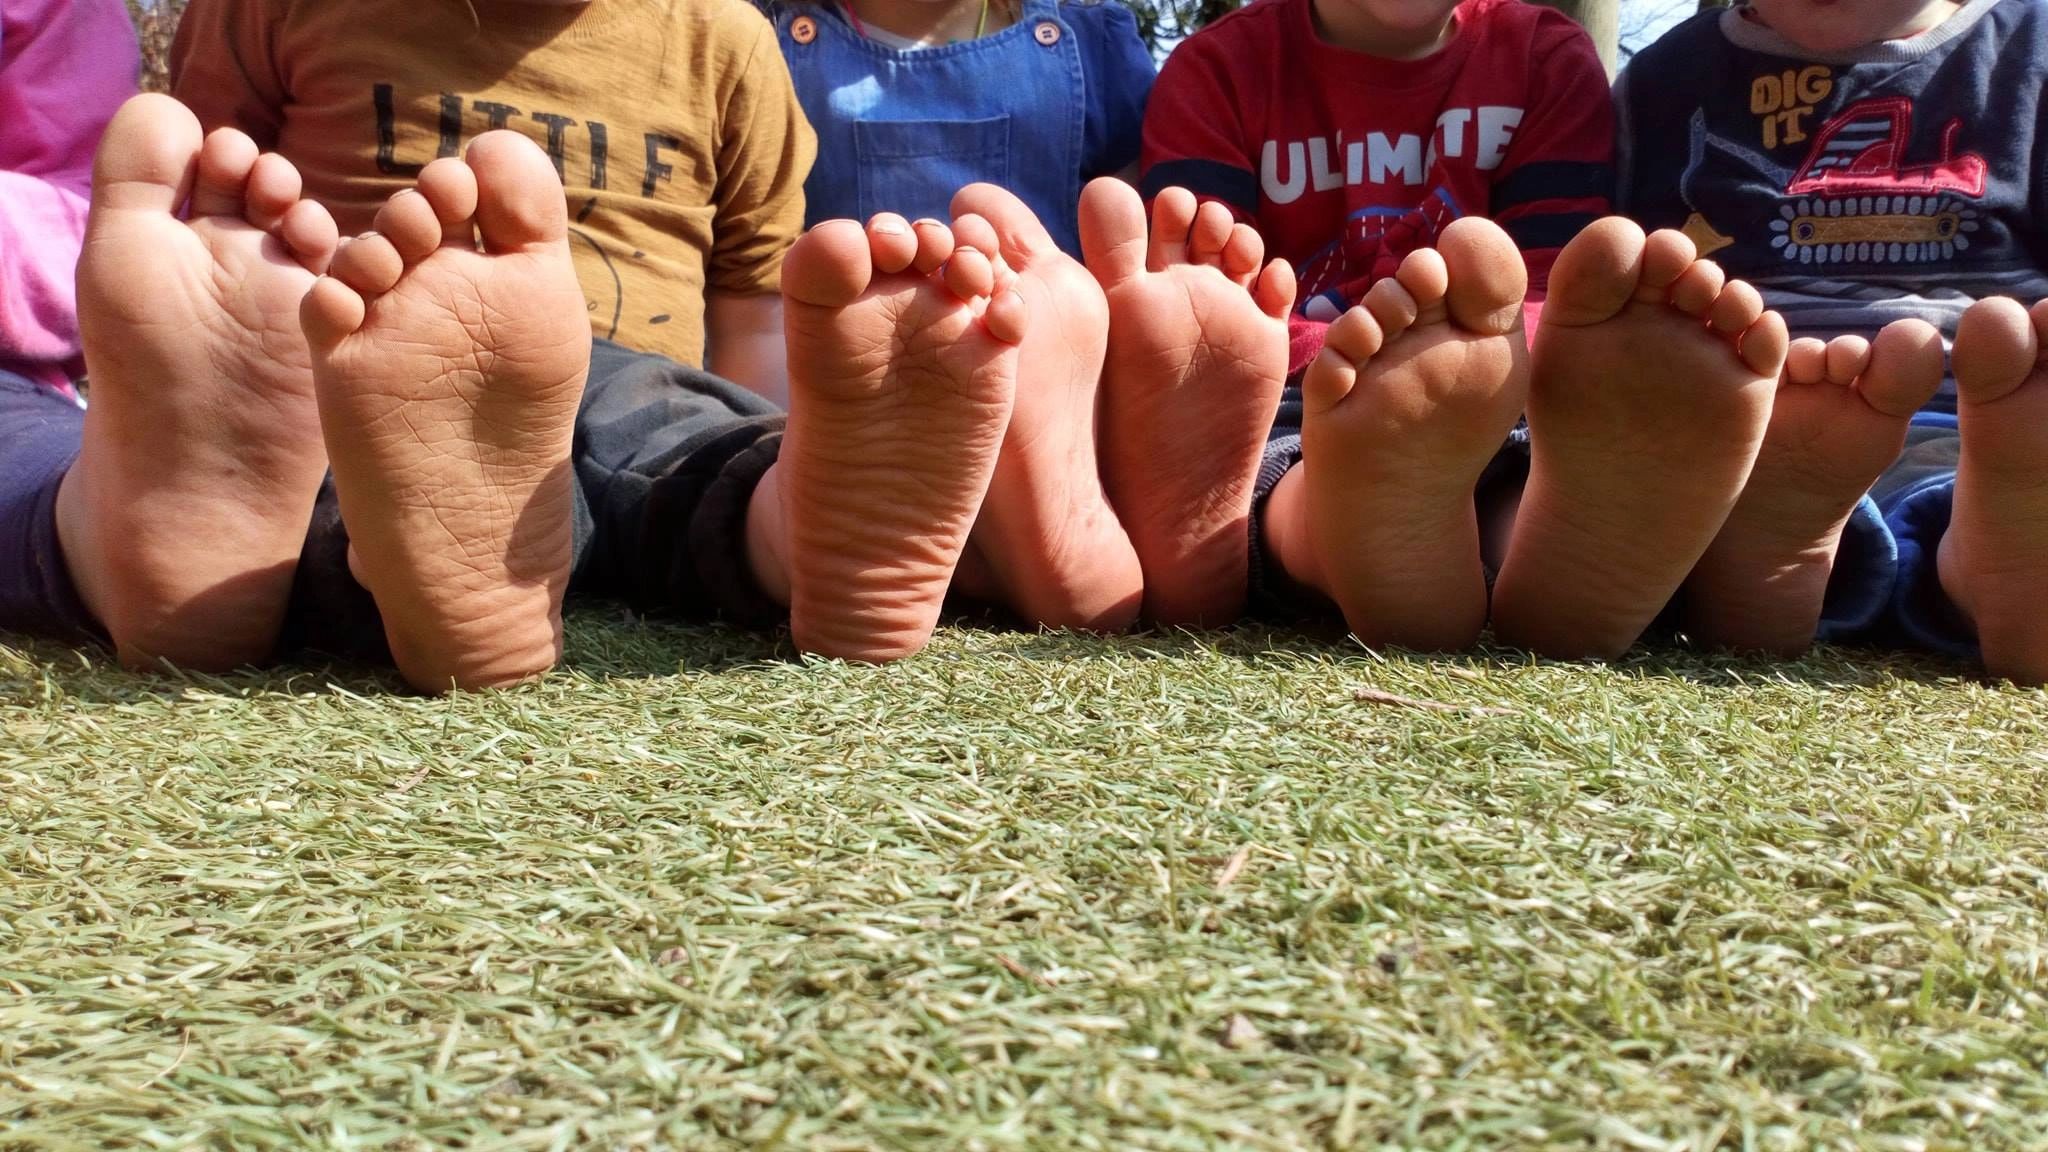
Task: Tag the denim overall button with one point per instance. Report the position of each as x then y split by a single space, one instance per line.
803 30
1047 33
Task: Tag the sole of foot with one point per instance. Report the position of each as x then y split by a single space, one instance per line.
1650 386
1197 359
903 372
1411 397
183 518
1053 545
1838 420
450 346
1994 557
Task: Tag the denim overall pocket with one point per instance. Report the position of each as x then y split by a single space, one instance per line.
912 167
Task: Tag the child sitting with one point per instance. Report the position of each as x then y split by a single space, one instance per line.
913 100
437 363
1020 103
65 66
1371 142
1874 169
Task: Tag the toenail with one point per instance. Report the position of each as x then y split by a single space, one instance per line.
924 221
889 228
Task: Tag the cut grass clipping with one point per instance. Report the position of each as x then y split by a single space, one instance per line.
1257 891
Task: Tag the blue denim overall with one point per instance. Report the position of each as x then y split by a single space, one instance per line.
902 131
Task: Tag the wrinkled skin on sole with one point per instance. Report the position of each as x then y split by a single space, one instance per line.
449 348
183 518
1839 419
1196 362
1994 557
1409 400
903 373
1650 387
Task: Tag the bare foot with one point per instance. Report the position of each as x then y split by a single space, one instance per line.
902 372
1052 543
1994 557
449 374
1411 397
1197 358
183 518
1838 422
1650 387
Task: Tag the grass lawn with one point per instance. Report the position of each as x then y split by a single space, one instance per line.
1025 892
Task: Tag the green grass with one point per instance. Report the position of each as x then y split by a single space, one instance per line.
1025 892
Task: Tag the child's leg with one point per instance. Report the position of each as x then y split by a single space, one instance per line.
1197 358
1839 419
40 432
1993 559
1650 389
1411 397
448 379
1053 545
183 517
903 373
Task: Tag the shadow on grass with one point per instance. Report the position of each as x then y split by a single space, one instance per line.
606 642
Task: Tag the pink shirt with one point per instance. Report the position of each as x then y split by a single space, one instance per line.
65 66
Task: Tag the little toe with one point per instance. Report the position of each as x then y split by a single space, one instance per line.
273 188
330 312
1996 347
1762 344
891 243
221 188
1696 289
408 222
1350 341
1210 234
1903 369
1006 316
368 264
1173 217
1274 291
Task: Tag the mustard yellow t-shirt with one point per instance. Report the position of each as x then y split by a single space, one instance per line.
672 123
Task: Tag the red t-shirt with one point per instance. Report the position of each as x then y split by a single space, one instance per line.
1347 162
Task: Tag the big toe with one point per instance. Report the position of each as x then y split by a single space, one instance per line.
828 266
148 157
519 197
1023 235
1488 277
1113 236
1597 274
1905 368
1995 350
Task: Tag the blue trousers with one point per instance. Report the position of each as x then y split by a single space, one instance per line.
666 459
